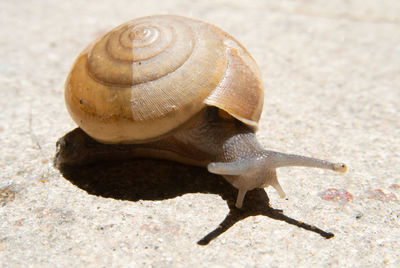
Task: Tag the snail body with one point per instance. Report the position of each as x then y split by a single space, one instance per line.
177 89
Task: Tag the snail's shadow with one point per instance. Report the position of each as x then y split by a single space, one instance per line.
145 179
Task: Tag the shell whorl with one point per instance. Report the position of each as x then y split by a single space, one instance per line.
129 54
149 76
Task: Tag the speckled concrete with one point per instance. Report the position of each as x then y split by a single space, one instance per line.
332 75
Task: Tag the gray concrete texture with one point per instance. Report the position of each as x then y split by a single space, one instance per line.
331 70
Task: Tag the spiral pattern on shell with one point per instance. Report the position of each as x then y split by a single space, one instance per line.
136 48
150 75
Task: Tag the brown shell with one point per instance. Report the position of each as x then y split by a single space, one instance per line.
151 75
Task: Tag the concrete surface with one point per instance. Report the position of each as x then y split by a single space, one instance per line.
332 75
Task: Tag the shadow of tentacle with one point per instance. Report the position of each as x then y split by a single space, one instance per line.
256 204
113 175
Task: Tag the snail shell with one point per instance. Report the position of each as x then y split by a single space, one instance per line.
152 75
178 89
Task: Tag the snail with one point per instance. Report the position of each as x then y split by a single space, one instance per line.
178 89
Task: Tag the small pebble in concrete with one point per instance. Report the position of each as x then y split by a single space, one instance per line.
7 194
337 195
382 195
